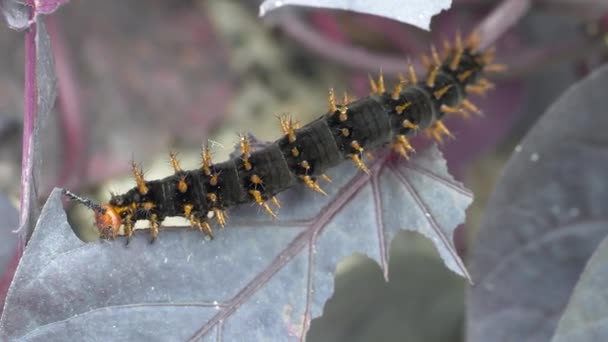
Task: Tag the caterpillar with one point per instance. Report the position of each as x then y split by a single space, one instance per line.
346 132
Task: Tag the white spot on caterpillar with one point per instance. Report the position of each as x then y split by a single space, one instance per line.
518 148
210 214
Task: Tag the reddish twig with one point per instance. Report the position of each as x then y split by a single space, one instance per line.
29 117
363 59
351 56
326 23
501 19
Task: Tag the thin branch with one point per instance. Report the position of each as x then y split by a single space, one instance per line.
29 117
501 19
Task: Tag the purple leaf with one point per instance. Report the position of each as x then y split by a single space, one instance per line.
546 217
585 316
256 278
502 18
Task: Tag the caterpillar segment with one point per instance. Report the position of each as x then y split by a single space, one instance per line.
128 224
348 130
154 226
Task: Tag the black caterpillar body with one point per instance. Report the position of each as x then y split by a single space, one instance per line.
304 153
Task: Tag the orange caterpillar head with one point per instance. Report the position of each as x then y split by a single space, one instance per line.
107 221
107 218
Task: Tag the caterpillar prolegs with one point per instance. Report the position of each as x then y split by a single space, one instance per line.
346 132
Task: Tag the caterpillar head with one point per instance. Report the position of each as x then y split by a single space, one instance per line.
107 221
107 218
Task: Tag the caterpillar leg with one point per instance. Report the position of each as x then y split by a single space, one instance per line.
275 201
154 227
356 156
220 216
312 183
128 228
402 146
257 197
202 226
309 180
196 221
